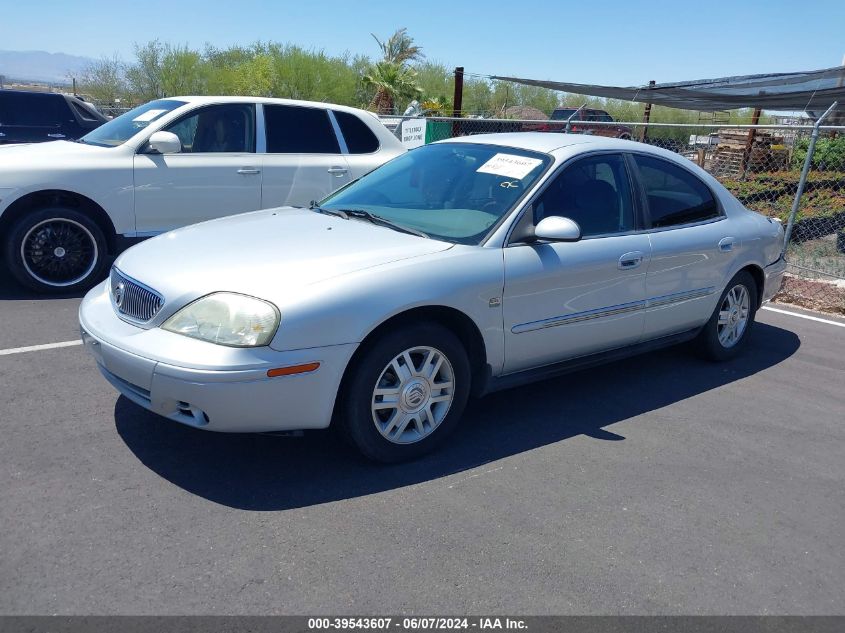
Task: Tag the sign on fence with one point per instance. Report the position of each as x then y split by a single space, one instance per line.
413 133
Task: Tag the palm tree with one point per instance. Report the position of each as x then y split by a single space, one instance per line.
392 77
399 47
391 81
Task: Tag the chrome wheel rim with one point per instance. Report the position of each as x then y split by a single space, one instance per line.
59 252
733 315
412 395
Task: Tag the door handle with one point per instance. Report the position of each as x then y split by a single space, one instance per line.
338 172
630 260
249 170
56 135
726 244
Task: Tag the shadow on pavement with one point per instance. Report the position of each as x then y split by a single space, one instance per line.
263 472
12 290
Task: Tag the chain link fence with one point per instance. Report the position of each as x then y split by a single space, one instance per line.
760 165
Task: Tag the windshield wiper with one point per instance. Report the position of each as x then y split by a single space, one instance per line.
338 213
377 219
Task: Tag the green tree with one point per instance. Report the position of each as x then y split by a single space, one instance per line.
392 78
104 80
144 76
391 81
183 72
399 48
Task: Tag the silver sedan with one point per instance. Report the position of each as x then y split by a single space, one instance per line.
459 268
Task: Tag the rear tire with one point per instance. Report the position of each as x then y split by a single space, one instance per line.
56 250
406 393
727 331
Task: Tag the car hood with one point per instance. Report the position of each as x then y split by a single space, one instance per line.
16 151
265 253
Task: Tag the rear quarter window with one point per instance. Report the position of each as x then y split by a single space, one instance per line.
357 134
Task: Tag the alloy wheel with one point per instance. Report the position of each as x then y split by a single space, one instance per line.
733 316
413 395
59 252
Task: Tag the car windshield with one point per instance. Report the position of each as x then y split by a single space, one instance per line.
121 129
455 192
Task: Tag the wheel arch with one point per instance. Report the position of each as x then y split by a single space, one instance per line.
454 320
59 197
759 277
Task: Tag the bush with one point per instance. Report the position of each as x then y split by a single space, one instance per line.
829 153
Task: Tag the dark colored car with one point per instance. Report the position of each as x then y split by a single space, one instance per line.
612 129
33 117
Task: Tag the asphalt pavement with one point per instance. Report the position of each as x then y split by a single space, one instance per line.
662 484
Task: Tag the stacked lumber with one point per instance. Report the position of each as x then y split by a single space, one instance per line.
767 152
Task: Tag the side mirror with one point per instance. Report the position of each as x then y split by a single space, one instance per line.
557 229
164 143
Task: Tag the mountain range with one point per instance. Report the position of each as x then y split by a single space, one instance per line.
41 66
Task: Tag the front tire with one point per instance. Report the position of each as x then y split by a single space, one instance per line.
727 331
56 250
406 393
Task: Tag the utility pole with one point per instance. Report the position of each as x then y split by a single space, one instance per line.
458 99
646 115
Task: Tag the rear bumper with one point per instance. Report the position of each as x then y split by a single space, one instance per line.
773 274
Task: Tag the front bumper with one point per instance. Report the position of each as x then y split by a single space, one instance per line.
773 278
214 388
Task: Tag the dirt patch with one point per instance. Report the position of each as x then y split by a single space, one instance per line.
815 294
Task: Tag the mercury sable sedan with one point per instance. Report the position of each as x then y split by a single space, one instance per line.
459 268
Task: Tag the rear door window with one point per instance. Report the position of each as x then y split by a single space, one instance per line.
299 130
674 195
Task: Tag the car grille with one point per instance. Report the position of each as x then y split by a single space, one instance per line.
133 300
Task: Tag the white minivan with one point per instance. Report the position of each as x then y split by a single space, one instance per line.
66 206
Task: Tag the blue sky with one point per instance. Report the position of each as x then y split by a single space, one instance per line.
604 42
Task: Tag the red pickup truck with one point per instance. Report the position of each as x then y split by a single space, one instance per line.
612 129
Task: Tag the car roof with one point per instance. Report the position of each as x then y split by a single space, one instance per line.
557 143
194 99
40 93
546 142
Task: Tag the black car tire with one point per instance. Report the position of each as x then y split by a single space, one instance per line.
709 343
358 410
56 250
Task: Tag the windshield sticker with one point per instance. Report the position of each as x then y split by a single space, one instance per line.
149 115
509 166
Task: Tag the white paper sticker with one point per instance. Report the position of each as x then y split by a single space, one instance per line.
149 115
509 165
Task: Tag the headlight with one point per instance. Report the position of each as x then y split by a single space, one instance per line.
227 318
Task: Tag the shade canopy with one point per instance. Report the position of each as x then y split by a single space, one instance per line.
812 90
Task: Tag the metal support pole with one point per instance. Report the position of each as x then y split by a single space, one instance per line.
749 143
646 115
458 99
811 148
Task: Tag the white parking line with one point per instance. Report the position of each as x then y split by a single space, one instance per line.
36 348
804 316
